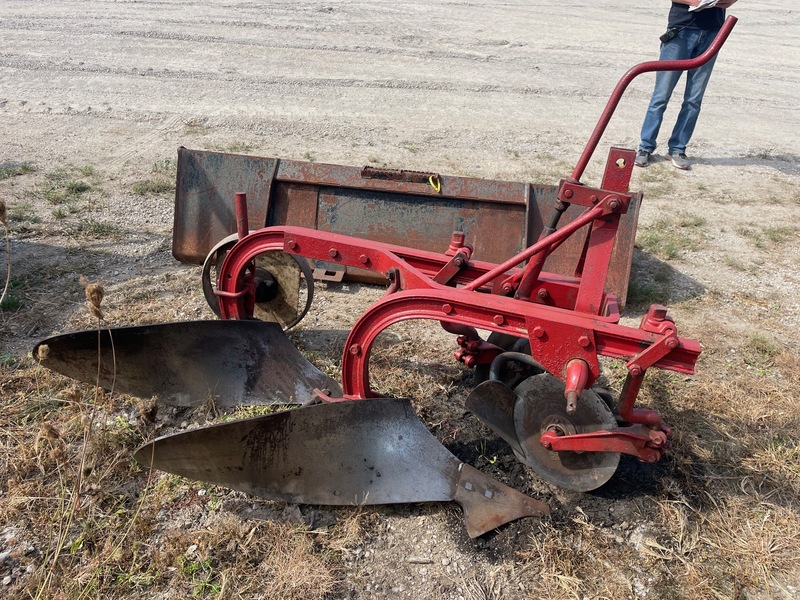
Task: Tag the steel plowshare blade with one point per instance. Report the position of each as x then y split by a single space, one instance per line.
361 452
184 364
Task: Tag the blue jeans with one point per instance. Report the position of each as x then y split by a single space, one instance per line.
689 43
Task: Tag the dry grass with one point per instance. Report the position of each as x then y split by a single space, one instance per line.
722 521
83 521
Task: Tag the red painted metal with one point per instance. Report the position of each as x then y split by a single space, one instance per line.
415 270
569 321
576 378
242 225
600 243
646 444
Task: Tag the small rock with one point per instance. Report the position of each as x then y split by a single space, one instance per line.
191 550
7 580
419 560
445 562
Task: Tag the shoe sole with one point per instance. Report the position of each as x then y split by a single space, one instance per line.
681 167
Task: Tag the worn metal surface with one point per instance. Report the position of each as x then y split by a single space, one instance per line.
499 218
231 363
202 218
346 453
537 406
541 407
493 403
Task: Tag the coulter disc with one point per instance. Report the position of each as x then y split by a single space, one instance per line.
281 296
540 407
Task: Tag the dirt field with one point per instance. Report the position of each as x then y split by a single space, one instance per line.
95 97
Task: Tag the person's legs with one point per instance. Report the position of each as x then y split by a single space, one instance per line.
696 82
678 48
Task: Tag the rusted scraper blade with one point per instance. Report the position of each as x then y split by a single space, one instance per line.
186 363
373 451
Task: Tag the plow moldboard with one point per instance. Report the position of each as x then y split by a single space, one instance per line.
357 452
186 363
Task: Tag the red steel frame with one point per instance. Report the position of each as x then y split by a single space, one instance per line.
569 322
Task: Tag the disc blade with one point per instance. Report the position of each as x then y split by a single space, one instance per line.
541 405
186 363
493 403
373 451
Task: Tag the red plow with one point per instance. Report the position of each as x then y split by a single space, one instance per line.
344 445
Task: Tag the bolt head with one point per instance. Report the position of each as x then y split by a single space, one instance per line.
355 349
291 244
635 370
499 319
584 341
363 259
568 193
447 309
672 343
333 252
538 332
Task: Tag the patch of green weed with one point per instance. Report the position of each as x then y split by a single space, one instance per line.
98 229
147 187
12 169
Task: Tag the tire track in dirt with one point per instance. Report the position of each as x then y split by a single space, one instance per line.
150 140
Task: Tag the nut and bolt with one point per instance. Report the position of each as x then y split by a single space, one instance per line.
584 341
363 259
568 193
538 332
498 319
543 294
333 252
355 350
613 204
635 370
447 309
671 343
291 244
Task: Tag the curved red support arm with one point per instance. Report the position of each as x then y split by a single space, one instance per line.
646 67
